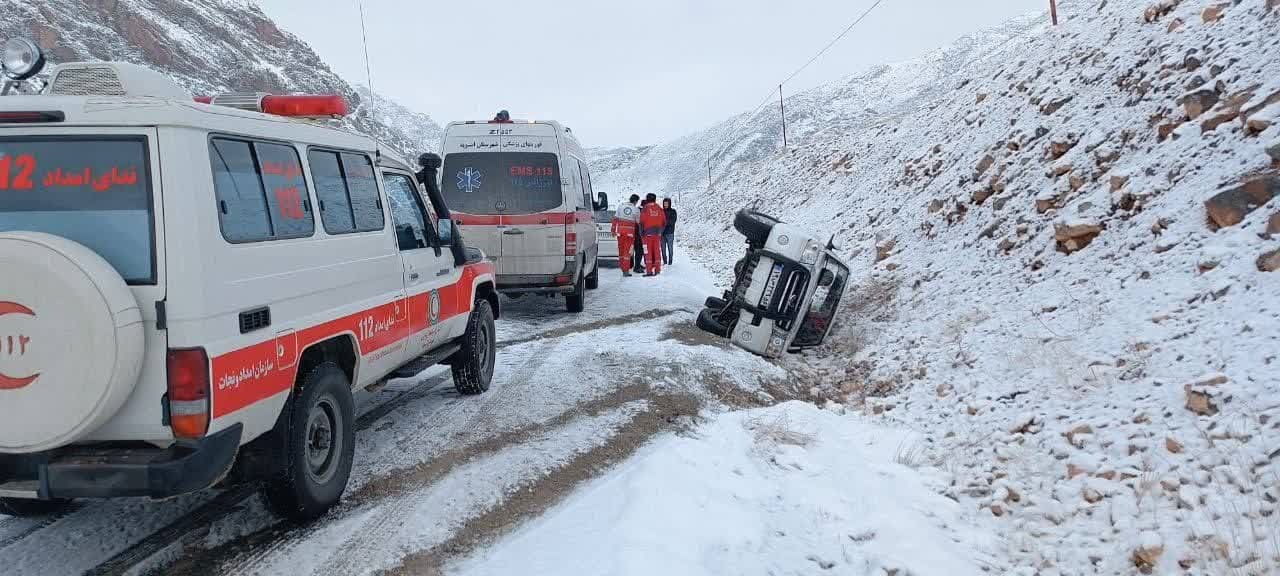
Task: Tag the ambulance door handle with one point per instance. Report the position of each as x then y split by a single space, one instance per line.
444 272
413 275
513 231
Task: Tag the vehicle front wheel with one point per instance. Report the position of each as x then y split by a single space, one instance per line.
473 363
754 225
318 429
576 301
24 508
708 323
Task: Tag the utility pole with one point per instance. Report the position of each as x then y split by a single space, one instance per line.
782 108
708 174
1053 11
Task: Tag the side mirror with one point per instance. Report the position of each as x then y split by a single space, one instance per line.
444 231
835 244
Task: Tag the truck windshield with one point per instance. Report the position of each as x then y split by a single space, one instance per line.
822 307
93 190
501 182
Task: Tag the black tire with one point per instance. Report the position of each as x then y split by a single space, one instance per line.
754 225
23 508
318 443
715 303
593 279
708 323
576 301
473 364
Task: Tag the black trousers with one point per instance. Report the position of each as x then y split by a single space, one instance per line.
637 256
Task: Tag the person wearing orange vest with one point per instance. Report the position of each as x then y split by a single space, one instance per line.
653 220
625 222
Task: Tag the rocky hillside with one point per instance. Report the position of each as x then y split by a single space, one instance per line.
1067 247
209 46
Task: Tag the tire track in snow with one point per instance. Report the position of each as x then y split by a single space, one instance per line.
419 444
244 555
39 525
230 500
595 325
531 499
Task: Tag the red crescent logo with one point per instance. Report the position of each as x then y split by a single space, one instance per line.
9 382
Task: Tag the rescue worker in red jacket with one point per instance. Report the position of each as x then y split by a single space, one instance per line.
624 227
653 220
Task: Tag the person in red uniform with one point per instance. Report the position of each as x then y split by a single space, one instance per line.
653 220
625 222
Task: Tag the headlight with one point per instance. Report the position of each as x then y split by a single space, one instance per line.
810 255
21 59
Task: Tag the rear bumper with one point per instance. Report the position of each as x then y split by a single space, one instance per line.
562 283
184 467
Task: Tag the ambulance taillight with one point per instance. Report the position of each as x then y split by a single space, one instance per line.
188 371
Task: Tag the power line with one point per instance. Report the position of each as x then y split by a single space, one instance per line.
769 97
833 42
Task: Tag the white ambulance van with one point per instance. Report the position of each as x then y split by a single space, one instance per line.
191 291
521 192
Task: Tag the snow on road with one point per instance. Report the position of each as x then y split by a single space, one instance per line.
438 476
790 489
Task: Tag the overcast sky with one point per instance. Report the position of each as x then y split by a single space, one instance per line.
618 72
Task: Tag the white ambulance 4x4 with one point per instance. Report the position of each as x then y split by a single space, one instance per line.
521 191
185 286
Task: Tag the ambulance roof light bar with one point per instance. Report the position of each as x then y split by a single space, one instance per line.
293 105
503 117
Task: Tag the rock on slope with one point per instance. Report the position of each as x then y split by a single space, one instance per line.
209 46
1067 257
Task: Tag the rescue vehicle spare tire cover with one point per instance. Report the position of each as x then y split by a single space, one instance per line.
71 342
754 225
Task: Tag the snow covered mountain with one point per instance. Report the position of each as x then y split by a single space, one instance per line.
209 46
1067 246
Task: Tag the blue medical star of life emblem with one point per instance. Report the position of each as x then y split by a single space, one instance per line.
470 179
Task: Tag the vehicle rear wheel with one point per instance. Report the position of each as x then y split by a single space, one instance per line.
473 364
715 302
575 301
707 322
23 508
318 428
754 225
593 279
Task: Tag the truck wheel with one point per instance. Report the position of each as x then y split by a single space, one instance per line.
319 442
708 323
473 364
593 279
715 303
24 508
575 301
754 225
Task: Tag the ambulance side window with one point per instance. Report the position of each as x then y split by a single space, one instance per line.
260 189
407 213
347 190
587 193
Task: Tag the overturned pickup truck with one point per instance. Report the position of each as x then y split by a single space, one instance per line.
786 290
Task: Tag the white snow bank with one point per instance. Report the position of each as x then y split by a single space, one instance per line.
789 489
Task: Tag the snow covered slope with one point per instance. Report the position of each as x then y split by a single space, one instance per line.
209 46
1066 241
